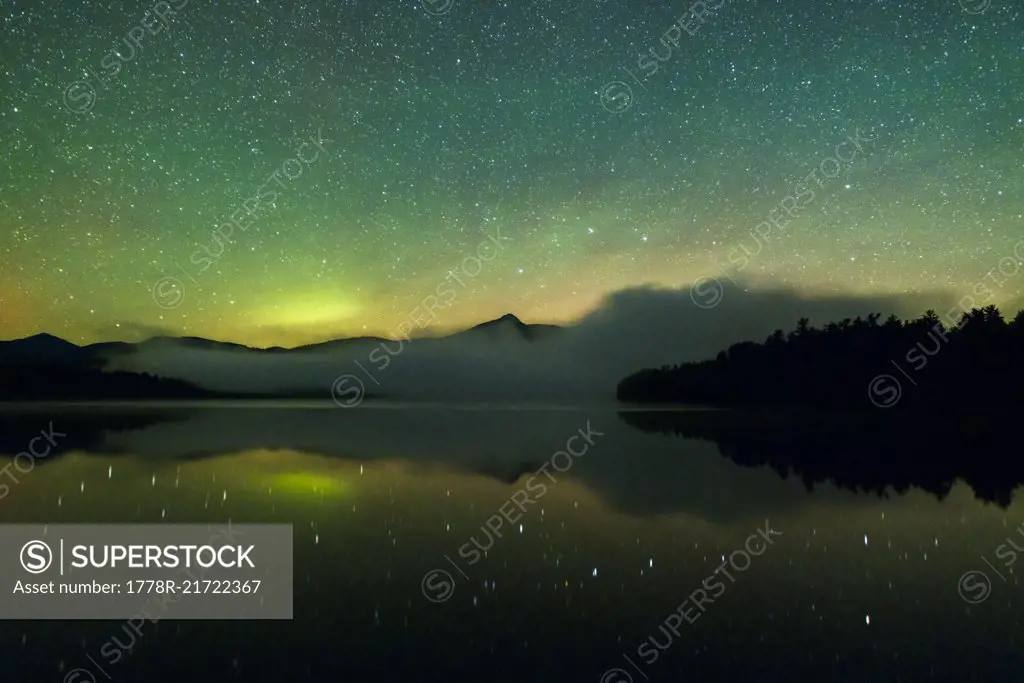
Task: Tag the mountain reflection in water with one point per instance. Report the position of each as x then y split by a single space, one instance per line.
857 587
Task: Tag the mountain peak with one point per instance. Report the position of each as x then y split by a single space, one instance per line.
39 348
509 326
46 338
503 321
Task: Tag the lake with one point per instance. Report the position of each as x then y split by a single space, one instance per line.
619 553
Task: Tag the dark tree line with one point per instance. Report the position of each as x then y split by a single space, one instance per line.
40 382
89 382
978 362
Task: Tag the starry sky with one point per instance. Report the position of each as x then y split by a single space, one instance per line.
529 156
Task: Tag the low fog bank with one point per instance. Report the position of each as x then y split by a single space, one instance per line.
632 329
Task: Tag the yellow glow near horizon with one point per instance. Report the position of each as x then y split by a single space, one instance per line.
309 483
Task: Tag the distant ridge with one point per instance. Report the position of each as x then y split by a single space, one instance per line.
42 348
47 348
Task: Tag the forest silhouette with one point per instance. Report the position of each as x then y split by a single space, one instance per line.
974 363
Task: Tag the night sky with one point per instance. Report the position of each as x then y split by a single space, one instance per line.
388 141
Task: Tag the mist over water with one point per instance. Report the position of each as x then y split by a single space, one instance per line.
632 329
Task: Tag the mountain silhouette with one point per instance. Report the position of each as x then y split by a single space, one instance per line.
42 348
509 325
46 348
46 367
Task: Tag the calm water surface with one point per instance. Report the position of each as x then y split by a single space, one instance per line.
854 588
